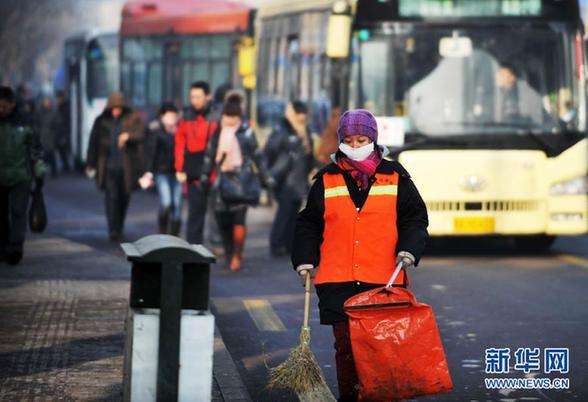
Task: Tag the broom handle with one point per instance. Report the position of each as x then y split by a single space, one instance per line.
306 299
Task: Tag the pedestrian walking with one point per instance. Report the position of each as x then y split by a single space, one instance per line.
192 137
46 122
363 216
63 127
21 161
233 150
289 155
160 169
115 159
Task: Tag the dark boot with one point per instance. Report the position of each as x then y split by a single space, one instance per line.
176 225
163 221
239 234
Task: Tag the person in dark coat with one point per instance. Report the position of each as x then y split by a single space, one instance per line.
115 158
46 124
159 166
192 137
233 148
363 217
289 154
21 161
63 129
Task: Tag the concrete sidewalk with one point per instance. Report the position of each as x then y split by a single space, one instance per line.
62 314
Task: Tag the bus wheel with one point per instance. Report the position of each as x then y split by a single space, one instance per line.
534 244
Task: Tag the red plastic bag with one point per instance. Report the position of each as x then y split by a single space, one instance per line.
396 346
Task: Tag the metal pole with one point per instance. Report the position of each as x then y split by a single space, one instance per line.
169 332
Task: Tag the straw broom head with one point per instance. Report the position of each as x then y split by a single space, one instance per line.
300 372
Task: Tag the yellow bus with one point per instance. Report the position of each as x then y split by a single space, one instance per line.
484 102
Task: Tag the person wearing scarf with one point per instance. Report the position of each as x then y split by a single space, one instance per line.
347 239
232 148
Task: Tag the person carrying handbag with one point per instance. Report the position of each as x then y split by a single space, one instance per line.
363 217
21 161
239 171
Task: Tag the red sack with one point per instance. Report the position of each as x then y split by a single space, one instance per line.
396 346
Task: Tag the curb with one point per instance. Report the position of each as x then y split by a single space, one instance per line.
227 383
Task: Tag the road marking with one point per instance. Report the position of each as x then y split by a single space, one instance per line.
263 315
574 260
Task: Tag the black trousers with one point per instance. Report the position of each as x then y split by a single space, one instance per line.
14 201
116 201
197 204
63 152
282 232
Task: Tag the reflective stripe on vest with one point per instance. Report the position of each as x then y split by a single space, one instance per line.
359 245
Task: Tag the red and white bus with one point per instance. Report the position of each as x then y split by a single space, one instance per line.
165 45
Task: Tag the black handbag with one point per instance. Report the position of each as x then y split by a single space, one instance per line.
37 211
240 187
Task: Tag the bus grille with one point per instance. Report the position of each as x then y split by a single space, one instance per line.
482 205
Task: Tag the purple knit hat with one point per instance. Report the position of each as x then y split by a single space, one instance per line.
357 122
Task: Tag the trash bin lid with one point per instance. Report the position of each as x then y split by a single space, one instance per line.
163 248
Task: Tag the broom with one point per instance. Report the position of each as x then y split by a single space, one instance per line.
301 372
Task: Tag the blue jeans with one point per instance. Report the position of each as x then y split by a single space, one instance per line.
170 194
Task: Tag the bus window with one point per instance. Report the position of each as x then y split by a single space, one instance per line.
220 72
374 76
126 78
155 79
139 84
194 47
220 46
101 56
465 93
292 69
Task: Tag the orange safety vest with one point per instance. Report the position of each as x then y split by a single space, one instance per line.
359 245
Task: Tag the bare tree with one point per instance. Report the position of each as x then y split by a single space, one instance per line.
32 33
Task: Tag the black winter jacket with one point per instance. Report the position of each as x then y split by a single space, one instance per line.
411 221
159 150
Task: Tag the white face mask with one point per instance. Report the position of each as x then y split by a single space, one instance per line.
357 154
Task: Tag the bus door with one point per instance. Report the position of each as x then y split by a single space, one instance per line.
172 73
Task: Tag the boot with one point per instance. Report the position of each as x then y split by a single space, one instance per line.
176 225
163 221
239 233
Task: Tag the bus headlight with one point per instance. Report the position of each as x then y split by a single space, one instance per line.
575 186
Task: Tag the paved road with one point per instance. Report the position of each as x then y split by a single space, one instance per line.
484 295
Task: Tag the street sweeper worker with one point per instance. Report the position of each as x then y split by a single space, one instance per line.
363 216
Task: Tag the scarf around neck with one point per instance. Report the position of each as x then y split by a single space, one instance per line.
229 150
361 171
